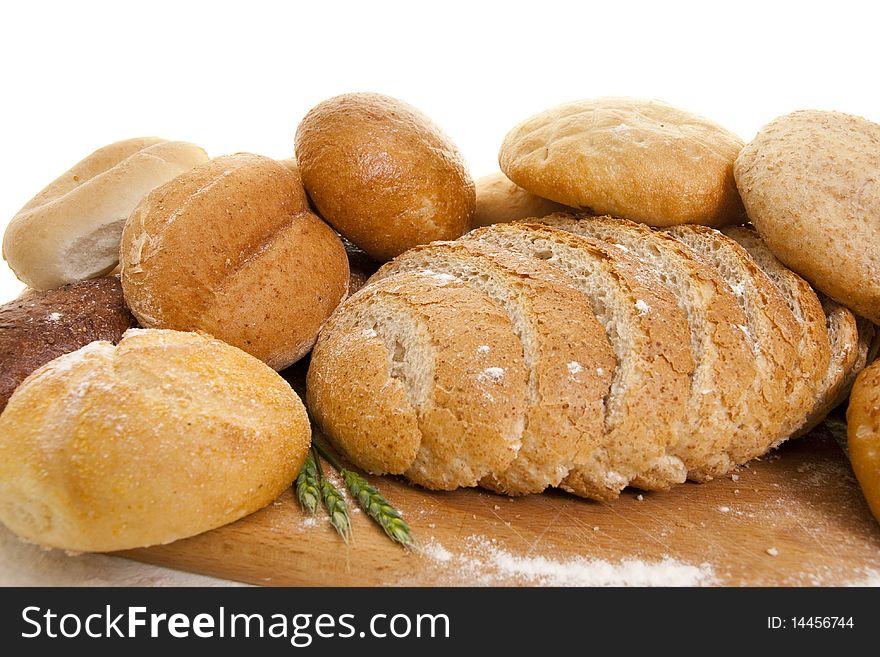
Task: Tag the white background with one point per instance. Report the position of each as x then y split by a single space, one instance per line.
238 76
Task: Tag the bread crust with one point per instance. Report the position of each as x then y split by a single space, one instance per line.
230 248
863 434
809 183
164 436
499 200
567 353
638 159
724 368
382 174
468 404
41 325
644 411
70 231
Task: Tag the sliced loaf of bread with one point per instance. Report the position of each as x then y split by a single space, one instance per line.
773 333
647 403
398 386
724 366
568 356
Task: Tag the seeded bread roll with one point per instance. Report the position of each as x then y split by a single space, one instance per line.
639 159
41 325
774 336
382 174
399 387
814 348
230 248
569 359
164 436
646 407
863 434
724 367
499 201
70 231
810 184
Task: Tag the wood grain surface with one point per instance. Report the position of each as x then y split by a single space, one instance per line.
795 517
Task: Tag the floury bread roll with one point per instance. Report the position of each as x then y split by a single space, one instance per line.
499 200
231 248
638 159
164 436
70 231
382 174
41 325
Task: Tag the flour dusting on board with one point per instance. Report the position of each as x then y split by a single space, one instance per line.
486 563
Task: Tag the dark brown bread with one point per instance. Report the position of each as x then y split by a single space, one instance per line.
40 326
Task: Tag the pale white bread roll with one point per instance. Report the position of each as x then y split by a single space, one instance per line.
164 436
70 231
724 367
566 351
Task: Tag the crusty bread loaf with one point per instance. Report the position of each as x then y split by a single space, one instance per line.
164 436
382 174
70 231
230 248
646 406
814 348
400 388
773 333
863 434
628 157
723 365
569 359
499 200
809 182
41 325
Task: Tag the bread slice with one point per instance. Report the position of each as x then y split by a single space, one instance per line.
396 384
566 351
814 349
724 367
773 333
646 406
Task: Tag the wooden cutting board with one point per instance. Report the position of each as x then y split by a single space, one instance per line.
796 517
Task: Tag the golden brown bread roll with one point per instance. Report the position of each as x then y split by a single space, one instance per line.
164 436
40 326
863 434
70 230
383 174
499 201
230 248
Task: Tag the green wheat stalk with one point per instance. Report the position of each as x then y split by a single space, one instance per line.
372 502
307 485
333 502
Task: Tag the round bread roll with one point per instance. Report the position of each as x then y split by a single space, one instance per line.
70 231
501 201
638 159
383 174
230 248
863 434
164 436
811 185
41 325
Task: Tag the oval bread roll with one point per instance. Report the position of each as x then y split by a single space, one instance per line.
230 248
499 201
164 436
42 325
638 159
70 231
863 434
382 174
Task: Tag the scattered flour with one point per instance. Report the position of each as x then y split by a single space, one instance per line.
54 317
642 306
574 367
443 279
483 349
772 551
486 563
491 375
